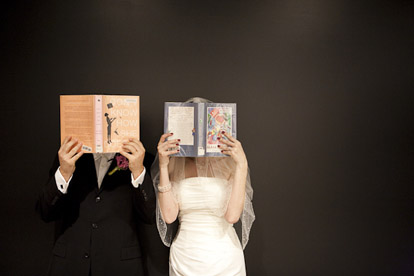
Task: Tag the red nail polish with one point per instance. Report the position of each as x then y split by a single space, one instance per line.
223 132
218 138
179 140
221 151
177 144
178 150
218 146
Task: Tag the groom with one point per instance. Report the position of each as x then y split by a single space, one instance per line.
97 205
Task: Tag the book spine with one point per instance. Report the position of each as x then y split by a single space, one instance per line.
166 126
201 125
98 124
234 117
62 122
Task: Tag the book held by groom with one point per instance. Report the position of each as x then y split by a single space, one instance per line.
100 122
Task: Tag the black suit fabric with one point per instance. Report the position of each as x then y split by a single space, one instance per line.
96 229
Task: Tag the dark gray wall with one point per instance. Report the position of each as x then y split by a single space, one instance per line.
325 100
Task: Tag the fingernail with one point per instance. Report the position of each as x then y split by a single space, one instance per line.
218 138
218 146
178 150
223 132
179 140
177 144
171 133
221 151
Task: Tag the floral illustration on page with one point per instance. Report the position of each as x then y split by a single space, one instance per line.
218 119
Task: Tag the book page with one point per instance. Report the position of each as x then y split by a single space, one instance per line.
76 119
219 118
181 123
120 120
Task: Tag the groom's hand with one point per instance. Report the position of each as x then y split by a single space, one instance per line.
135 152
69 153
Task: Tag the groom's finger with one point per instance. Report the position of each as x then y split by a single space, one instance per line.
137 144
67 138
125 154
74 150
130 148
69 147
65 143
77 156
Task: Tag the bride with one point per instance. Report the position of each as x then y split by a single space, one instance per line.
208 195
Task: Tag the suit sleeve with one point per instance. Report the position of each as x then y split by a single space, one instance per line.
144 195
51 201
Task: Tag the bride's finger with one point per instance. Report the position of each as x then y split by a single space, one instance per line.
168 151
229 136
164 137
227 152
172 142
227 142
163 148
224 147
167 148
167 145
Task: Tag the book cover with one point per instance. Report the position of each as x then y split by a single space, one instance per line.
100 122
198 125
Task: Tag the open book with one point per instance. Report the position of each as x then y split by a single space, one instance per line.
100 122
198 125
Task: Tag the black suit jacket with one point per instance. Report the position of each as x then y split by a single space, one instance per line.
96 229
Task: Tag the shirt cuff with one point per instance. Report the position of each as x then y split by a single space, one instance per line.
139 180
61 184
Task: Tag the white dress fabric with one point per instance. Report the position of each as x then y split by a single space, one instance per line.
206 244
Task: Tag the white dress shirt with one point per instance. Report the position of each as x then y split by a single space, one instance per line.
102 163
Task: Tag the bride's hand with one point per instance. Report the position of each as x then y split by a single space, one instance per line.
164 147
234 148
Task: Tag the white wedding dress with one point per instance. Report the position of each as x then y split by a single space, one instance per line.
206 244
